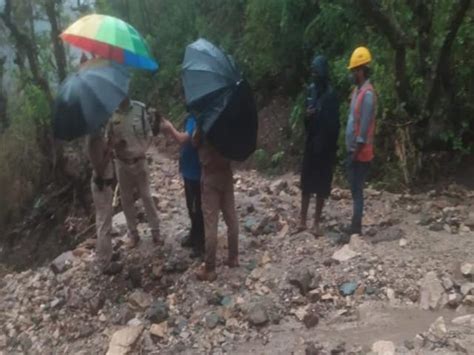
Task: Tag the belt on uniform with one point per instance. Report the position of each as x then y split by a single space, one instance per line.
131 160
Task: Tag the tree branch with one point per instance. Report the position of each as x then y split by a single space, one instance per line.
25 45
59 53
399 41
459 11
386 24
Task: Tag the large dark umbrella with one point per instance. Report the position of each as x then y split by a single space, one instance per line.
215 89
88 98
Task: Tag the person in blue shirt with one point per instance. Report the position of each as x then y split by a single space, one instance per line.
190 169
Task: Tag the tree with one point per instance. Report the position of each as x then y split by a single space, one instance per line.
25 46
52 8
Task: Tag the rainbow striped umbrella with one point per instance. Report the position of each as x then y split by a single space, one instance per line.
110 38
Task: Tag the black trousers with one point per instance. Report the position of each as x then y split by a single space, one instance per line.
192 190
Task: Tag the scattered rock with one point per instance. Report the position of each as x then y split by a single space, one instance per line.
409 344
123 315
431 292
158 312
257 316
123 340
467 269
176 265
357 243
159 330
313 349
448 284
470 220
119 222
97 302
438 328
266 258
383 348
388 235
464 320
212 320
467 288
391 294
135 276
469 300
348 288
140 300
311 318
62 262
157 272
454 299
303 279
344 254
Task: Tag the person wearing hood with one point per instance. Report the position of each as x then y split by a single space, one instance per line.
322 132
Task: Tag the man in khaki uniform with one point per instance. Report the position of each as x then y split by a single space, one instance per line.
131 136
217 195
100 156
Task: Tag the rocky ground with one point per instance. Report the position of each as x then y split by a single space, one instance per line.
405 288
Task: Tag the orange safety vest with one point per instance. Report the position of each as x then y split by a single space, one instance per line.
366 154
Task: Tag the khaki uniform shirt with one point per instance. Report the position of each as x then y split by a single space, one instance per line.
130 132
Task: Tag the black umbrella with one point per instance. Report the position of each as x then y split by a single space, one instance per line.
88 98
215 89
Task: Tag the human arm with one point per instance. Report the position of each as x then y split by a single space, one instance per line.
366 115
100 154
179 137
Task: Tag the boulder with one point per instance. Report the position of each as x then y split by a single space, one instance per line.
344 254
140 300
431 292
62 262
159 330
383 347
123 340
157 312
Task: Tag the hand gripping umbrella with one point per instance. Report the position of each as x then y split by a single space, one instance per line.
222 98
88 98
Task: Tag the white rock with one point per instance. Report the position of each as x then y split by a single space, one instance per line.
344 254
123 340
383 347
391 294
159 330
467 288
358 244
438 328
118 221
431 292
467 269
266 258
464 320
403 242
140 300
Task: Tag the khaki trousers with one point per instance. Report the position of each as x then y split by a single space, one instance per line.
218 195
103 221
136 176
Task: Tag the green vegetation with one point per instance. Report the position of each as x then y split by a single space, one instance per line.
423 69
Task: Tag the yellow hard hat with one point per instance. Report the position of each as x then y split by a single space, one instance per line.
360 56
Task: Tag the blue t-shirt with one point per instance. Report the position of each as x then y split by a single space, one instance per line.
189 163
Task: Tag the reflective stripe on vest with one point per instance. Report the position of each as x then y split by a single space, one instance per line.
367 151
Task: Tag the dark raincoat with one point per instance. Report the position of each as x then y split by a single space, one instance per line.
322 132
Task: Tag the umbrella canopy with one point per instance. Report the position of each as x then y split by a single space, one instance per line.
88 98
110 38
223 100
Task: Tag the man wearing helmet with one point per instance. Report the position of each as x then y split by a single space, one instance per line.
360 132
